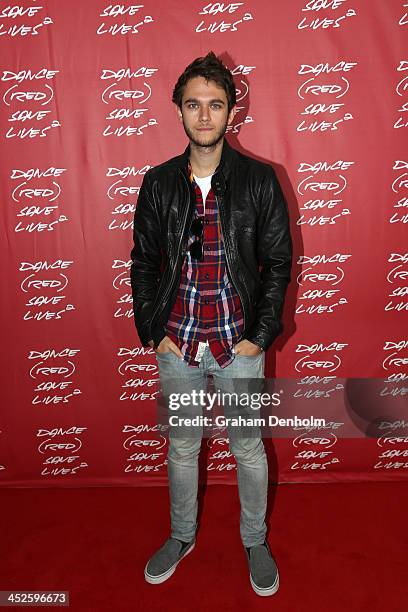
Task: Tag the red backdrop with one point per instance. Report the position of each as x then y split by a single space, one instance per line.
85 110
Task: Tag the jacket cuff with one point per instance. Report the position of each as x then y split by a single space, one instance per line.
256 340
157 336
261 346
262 338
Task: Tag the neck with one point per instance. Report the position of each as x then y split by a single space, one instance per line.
205 160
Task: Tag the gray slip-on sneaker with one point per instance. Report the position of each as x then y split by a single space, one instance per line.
164 562
263 571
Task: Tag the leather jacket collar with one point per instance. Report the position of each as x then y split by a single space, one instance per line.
222 173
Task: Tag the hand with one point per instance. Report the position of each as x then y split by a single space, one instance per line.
168 346
247 348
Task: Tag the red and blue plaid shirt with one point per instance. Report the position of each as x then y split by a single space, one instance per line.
207 307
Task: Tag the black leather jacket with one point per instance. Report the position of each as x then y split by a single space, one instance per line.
257 241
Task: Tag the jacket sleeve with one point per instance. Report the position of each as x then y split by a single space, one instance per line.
274 251
145 260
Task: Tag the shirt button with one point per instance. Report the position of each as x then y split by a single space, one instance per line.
206 276
206 301
206 221
208 248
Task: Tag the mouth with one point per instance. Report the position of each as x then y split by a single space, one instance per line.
206 129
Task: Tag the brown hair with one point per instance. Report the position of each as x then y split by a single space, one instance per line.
212 69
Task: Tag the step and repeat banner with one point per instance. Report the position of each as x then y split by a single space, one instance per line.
322 90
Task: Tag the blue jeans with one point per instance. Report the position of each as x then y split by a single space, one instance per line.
252 467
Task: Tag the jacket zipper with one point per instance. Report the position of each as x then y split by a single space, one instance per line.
169 288
228 266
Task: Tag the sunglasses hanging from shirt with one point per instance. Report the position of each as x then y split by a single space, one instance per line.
196 247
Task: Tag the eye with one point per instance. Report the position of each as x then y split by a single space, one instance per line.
192 105
216 106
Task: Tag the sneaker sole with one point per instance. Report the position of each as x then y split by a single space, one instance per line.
267 591
166 575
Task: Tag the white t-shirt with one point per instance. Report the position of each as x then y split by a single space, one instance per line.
205 186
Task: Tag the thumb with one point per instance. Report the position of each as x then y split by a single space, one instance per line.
177 351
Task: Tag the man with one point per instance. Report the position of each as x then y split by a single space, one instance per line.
210 266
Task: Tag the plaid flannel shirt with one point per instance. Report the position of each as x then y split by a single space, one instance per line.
207 309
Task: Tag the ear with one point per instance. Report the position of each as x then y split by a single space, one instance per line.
179 114
232 114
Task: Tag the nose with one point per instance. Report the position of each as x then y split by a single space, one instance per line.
204 114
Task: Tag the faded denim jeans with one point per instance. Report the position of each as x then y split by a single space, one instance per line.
249 452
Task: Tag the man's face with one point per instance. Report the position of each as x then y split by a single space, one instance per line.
204 112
